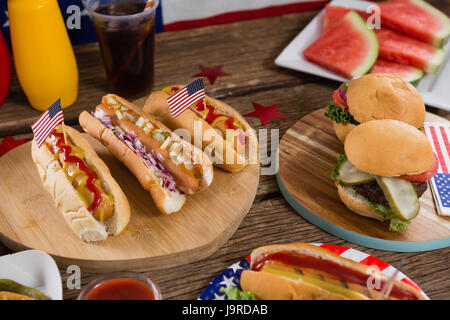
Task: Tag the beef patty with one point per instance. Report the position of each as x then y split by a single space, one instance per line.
373 192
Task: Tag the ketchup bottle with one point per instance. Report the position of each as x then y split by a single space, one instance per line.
5 69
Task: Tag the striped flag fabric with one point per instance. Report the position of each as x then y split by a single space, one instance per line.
185 97
47 122
439 136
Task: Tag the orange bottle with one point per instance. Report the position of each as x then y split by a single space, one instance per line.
43 56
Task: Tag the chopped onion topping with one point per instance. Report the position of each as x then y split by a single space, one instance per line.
152 161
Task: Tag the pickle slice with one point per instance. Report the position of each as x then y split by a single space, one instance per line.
350 175
348 293
401 196
14 287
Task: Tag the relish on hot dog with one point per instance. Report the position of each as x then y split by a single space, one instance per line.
302 271
165 165
90 200
224 134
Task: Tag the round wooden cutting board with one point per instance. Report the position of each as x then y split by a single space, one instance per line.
308 152
29 220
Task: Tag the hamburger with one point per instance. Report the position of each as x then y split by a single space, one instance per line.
384 171
302 271
375 97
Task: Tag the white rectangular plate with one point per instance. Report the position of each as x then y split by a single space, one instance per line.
435 89
35 269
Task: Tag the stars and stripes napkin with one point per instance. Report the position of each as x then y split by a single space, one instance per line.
439 136
47 122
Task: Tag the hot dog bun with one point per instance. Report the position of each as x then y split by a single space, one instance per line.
66 198
269 286
230 156
166 200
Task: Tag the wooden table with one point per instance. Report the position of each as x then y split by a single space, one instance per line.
247 51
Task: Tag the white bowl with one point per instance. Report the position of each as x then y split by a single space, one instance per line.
33 268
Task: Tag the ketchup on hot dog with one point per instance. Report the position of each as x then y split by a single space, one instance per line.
81 176
215 119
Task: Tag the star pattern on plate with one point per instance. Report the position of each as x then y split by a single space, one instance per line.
265 114
211 73
229 278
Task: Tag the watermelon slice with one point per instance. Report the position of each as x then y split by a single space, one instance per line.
408 73
350 49
417 19
332 16
398 48
394 46
335 13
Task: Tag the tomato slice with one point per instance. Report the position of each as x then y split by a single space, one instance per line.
425 176
338 100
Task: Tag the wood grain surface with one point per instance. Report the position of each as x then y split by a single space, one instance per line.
247 50
151 240
308 152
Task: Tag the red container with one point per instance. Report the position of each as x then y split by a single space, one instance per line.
5 69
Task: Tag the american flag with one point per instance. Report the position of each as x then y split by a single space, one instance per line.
439 136
185 97
47 122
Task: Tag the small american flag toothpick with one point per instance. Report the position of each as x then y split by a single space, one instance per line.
47 122
439 136
185 97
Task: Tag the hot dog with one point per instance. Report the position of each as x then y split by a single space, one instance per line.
225 135
83 189
302 271
165 165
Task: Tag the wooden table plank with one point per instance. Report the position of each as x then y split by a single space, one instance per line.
242 48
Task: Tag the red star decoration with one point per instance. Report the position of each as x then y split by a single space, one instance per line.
265 114
9 143
211 73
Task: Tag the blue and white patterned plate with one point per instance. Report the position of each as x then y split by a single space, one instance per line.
229 278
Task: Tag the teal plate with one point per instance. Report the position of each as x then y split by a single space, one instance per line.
370 242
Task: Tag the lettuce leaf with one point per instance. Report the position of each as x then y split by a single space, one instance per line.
395 223
335 174
339 115
236 294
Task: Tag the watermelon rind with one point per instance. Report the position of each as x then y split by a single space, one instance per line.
435 61
442 35
411 74
374 47
414 77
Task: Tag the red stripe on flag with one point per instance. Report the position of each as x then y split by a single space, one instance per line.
178 95
438 150
42 134
372 261
445 138
335 249
236 16
187 100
